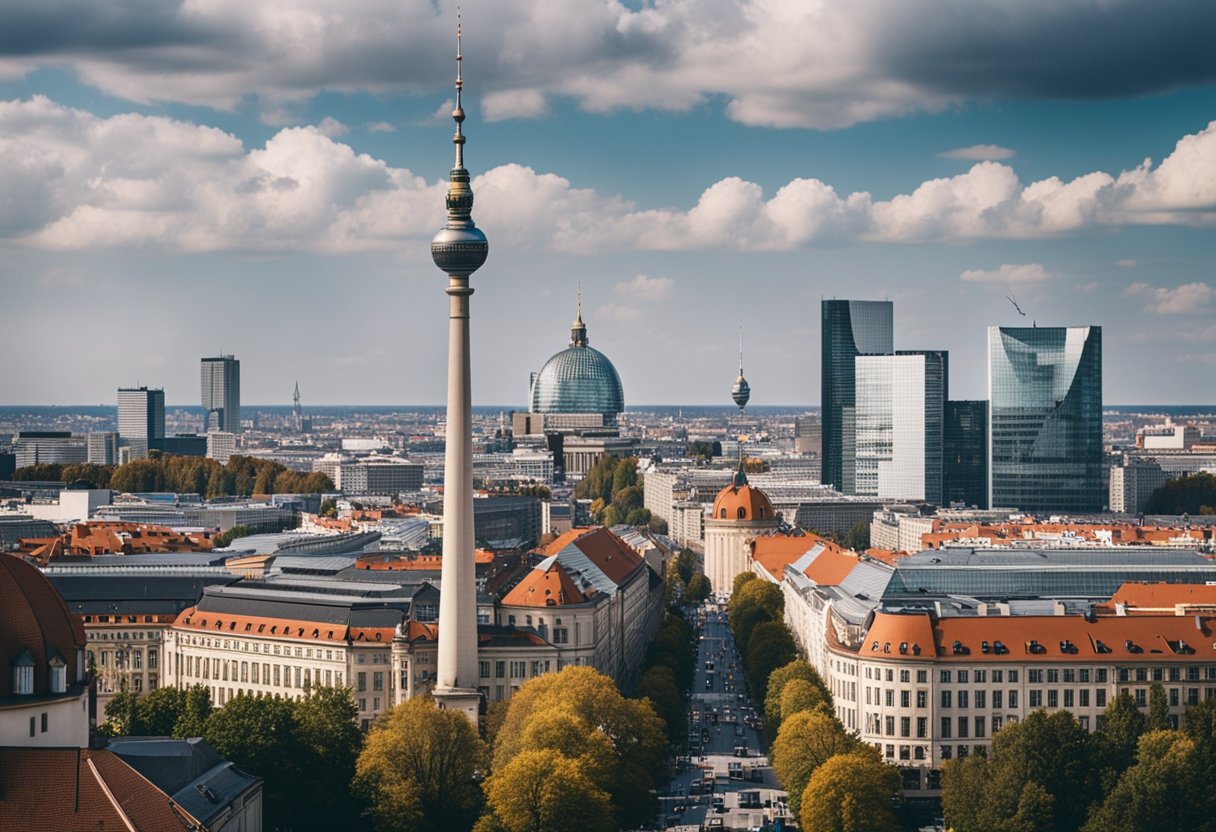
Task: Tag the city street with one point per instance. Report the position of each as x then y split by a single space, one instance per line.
725 782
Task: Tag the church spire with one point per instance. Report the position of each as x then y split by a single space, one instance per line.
578 329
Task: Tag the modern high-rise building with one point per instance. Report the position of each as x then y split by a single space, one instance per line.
103 447
898 412
1045 419
965 456
221 389
850 328
141 419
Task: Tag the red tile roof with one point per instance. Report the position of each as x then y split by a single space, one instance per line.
545 587
1162 596
60 790
614 557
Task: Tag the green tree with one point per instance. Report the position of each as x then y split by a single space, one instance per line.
1185 495
769 647
686 563
1146 798
1052 751
543 791
122 715
225 538
1158 708
698 590
39 472
158 712
326 726
419 769
741 579
858 538
196 709
659 685
258 734
97 476
806 741
850 793
745 619
1122 726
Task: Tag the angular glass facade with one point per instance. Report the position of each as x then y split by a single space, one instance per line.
965 457
1045 419
849 328
897 446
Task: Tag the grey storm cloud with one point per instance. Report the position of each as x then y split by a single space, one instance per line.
1035 49
811 64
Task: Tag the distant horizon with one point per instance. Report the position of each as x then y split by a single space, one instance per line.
521 409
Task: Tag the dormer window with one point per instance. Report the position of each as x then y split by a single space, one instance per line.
23 674
742 512
58 674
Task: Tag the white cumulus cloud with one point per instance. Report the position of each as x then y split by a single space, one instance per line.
1187 299
980 153
644 287
1008 274
75 180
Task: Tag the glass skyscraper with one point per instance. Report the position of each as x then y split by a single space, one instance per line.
897 425
221 388
965 463
849 328
1045 419
141 419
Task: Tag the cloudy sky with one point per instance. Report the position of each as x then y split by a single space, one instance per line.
180 178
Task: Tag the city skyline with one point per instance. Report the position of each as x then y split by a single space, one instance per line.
826 152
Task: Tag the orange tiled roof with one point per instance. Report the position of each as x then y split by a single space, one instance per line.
832 565
775 552
547 587
1041 638
252 625
1163 596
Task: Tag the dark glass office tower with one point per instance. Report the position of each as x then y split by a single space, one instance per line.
1045 419
965 459
221 389
849 328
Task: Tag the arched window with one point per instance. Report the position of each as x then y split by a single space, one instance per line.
722 514
742 512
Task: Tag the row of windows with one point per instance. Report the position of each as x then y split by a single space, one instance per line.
137 658
201 667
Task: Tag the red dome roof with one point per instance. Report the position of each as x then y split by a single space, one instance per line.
744 503
34 617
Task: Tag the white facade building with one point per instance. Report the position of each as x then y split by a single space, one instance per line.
898 423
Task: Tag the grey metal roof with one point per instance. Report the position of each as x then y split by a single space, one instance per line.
1048 573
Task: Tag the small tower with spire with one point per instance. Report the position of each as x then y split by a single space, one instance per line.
741 392
297 418
578 329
